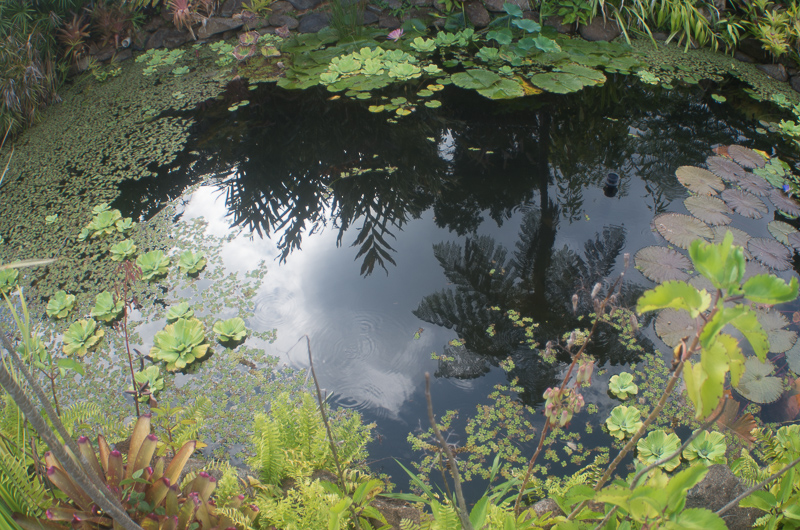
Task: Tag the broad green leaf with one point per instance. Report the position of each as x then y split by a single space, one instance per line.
769 289
747 323
682 482
502 36
546 45
71 364
763 500
677 295
787 484
478 514
722 263
512 9
697 519
527 25
736 358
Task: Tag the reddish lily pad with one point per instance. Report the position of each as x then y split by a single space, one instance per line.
769 252
774 324
673 325
708 209
698 180
755 185
725 168
680 229
661 264
746 157
784 203
745 204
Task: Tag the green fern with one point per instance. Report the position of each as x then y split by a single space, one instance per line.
408 524
747 469
444 517
237 517
270 451
20 490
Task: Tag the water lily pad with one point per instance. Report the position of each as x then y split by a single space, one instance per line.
770 252
757 385
774 324
784 203
755 185
746 157
725 168
781 231
680 229
745 204
661 264
740 237
793 358
698 180
673 325
557 82
708 209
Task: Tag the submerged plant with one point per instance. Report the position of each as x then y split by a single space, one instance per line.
181 310
60 304
8 280
180 344
123 250
708 448
231 330
81 337
191 262
657 445
622 385
623 421
106 308
153 264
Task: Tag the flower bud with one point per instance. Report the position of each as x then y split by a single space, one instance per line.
596 290
575 303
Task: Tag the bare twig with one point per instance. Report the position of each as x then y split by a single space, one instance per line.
332 443
758 486
463 513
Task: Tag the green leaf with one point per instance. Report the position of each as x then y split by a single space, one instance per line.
697 519
769 289
763 500
60 304
722 263
478 514
502 36
191 262
475 79
677 295
749 326
682 482
527 25
512 9
71 364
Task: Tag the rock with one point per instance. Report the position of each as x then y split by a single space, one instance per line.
395 511
101 54
283 20
281 7
496 6
212 26
660 36
122 55
600 30
153 24
547 505
795 83
139 40
422 3
775 71
305 4
557 22
230 7
477 15
369 18
754 49
719 487
255 23
389 22
742 57
421 13
175 38
313 22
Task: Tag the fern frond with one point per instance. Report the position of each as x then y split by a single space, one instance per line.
236 517
270 456
747 469
20 490
79 415
408 524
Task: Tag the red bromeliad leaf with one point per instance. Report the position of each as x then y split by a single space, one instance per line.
745 204
769 252
680 229
746 157
725 168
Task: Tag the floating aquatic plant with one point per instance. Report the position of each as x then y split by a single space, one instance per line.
60 304
153 264
623 421
152 377
744 203
708 209
181 310
8 280
622 385
105 308
123 250
661 264
81 337
657 445
698 180
180 344
708 448
191 262
106 223
231 330
746 157
757 384
680 229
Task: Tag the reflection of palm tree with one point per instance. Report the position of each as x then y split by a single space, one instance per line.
486 284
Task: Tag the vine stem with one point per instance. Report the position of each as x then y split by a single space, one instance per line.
334 452
758 486
463 513
84 480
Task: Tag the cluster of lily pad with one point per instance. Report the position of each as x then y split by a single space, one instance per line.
104 223
736 181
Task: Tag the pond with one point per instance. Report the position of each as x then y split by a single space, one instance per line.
398 246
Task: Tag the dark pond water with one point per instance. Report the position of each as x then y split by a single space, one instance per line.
389 240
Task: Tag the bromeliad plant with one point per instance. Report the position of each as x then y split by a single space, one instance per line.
180 344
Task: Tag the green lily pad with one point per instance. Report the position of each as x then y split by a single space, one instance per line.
770 252
557 82
757 385
793 358
725 168
698 180
662 264
673 325
774 324
746 157
745 204
680 229
433 104
784 203
475 79
708 209
781 231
